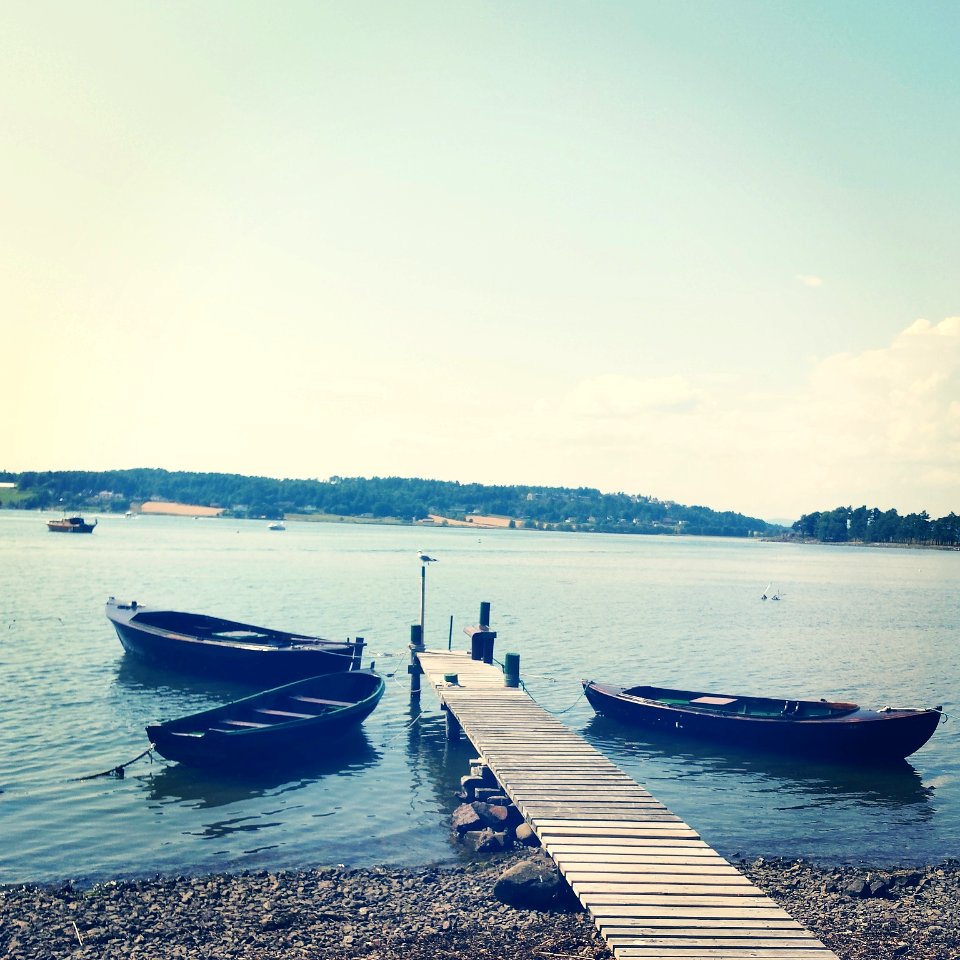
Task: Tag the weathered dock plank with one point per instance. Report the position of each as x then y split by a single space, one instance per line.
654 888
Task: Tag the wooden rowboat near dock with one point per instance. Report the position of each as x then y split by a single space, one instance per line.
304 718
819 728
213 646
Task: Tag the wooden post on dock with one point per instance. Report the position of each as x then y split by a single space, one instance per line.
416 646
481 636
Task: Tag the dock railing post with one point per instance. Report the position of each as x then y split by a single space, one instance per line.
414 669
356 662
481 636
452 726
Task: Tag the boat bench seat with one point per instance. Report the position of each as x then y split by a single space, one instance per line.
329 703
243 723
714 702
286 713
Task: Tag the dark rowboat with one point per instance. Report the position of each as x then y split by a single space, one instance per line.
304 718
70 525
836 731
211 646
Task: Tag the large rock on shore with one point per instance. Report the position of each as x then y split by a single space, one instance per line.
535 884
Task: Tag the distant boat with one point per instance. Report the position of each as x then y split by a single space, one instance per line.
771 593
819 728
201 644
70 525
276 525
304 718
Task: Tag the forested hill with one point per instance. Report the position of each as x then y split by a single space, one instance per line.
870 525
383 498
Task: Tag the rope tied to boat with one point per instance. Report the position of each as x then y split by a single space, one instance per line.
118 772
404 729
556 713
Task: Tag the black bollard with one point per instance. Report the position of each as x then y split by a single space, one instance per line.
511 670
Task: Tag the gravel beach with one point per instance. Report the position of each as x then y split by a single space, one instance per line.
449 911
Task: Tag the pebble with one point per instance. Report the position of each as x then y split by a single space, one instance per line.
389 913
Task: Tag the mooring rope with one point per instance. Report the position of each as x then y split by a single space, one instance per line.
118 771
526 690
402 730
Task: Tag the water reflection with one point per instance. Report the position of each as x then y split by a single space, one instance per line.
139 676
436 763
891 785
201 787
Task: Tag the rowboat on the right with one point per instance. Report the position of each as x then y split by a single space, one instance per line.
819 728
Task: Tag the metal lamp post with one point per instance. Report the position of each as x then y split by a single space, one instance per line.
417 643
424 560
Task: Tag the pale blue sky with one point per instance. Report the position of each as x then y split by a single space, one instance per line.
701 251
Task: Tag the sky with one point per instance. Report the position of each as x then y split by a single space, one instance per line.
707 252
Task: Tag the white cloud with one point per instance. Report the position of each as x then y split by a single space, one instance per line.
880 427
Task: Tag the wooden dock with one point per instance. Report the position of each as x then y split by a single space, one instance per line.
653 887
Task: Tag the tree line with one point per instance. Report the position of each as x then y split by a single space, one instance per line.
870 525
380 498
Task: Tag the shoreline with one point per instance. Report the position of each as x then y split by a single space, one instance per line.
391 913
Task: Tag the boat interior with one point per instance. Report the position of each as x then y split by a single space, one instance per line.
295 707
761 707
215 628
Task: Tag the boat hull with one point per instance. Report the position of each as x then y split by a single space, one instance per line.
301 719
70 525
199 644
853 735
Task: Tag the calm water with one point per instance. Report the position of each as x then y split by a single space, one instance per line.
876 626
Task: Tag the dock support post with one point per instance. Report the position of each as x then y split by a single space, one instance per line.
414 669
453 725
485 614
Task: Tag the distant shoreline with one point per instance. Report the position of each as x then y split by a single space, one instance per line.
803 541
